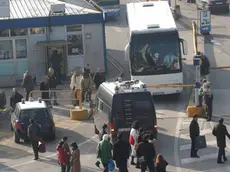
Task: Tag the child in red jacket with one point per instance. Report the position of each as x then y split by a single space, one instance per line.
62 156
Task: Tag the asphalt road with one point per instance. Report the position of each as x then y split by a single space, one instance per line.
216 47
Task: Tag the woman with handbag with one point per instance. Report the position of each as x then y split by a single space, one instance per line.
62 156
133 140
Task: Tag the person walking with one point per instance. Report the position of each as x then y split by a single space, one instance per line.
15 98
67 150
27 84
56 65
133 140
104 151
33 133
205 65
146 154
161 164
52 83
76 163
75 85
194 131
103 132
98 78
121 153
45 87
62 156
208 99
220 131
139 140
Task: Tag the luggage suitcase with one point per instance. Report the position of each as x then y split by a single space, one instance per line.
41 147
201 142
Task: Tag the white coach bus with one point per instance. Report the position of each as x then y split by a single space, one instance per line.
154 48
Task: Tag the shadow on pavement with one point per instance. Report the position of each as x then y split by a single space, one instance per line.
6 168
8 152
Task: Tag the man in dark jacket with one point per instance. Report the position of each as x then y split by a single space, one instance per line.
27 84
44 87
121 153
194 131
204 68
102 132
146 154
98 78
220 131
52 82
33 133
56 65
208 99
15 98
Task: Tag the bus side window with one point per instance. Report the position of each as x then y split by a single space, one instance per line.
100 105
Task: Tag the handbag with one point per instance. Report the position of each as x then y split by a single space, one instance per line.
201 142
41 146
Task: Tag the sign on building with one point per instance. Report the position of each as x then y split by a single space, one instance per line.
4 8
205 22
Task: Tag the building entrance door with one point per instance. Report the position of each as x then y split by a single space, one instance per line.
60 57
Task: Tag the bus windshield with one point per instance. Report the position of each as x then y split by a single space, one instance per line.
106 2
152 55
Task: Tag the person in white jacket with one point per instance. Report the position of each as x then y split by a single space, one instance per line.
75 84
133 140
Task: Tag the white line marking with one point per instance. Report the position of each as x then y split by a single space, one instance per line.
202 158
188 146
223 169
54 154
176 144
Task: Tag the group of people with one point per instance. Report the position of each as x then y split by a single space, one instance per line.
85 82
67 159
140 146
205 92
219 131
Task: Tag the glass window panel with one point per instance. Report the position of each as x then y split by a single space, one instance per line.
4 32
21 48
19 32
76 48
39 30
74 28
6 50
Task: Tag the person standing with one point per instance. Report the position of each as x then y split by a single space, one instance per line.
146 154
62 156
161 164
208 99
33 133
121 152
220 131
56 65
139 140
45 87
86 86
104 151
27 84
75 85
194 131
67 150
15 98
205 65
98 78
52 82
103 132
76 163
133 140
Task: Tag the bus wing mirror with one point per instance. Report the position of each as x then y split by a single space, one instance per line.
127 50
184 46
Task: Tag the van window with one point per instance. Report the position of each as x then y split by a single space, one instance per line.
143 105
103 107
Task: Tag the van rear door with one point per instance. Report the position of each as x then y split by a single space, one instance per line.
129 107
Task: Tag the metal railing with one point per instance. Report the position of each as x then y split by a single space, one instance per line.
79 95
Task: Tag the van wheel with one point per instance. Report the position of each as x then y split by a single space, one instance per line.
53 136
11 127
16 138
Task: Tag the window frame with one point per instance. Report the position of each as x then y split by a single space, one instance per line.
30 33
66 30
15 50
83 45
12 40
5 36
